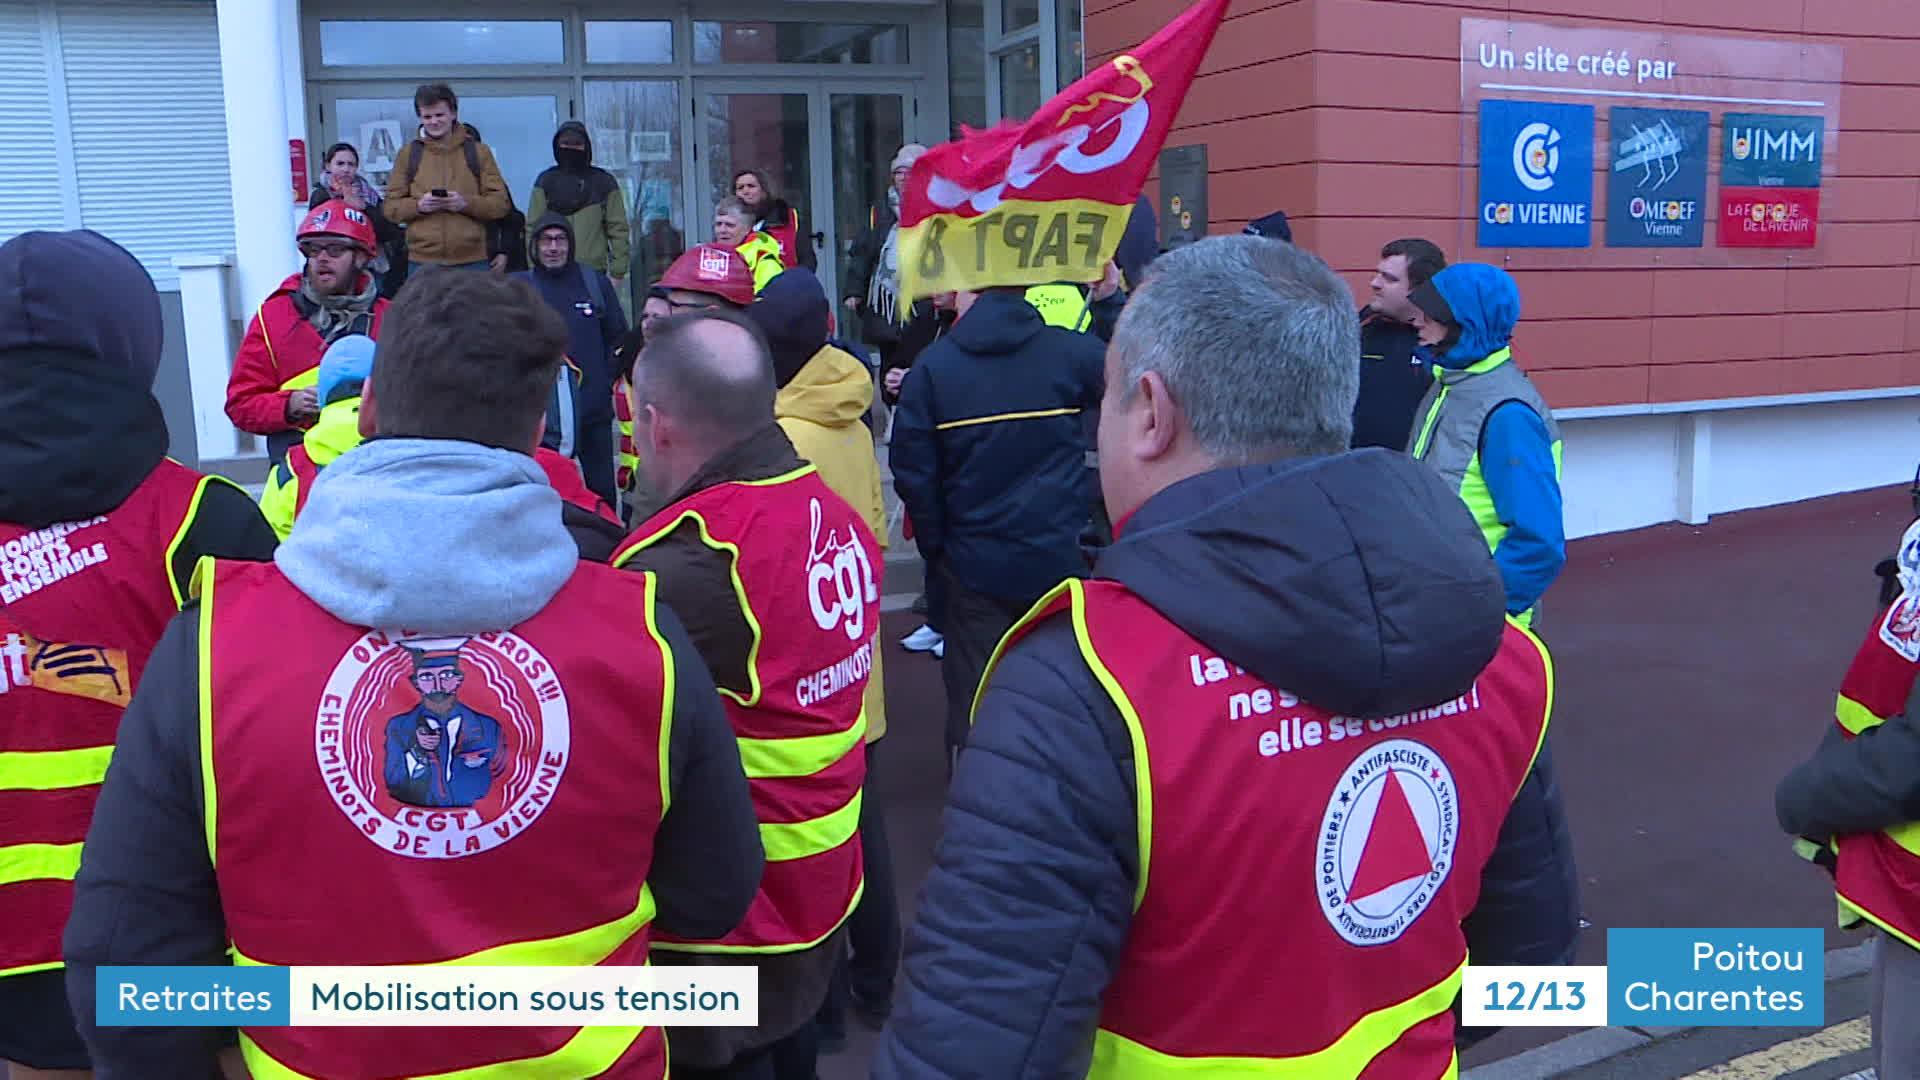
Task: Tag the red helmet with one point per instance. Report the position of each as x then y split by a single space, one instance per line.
714 270
336 218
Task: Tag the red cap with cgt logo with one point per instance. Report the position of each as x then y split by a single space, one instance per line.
714 270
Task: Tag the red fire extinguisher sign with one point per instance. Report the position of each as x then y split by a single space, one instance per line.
297 156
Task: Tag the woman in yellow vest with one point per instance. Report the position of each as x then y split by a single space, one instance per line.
733 227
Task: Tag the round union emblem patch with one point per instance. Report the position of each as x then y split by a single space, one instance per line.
1386 841
439 748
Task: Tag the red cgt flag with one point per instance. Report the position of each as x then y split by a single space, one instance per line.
1047 200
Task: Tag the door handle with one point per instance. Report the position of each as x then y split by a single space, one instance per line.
819 239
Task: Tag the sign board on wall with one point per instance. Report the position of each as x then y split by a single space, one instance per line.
1536 174
1656 177
1666 115
1770 181
1183 195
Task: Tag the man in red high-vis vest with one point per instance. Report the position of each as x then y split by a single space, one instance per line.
1860 792
99 533
271 390
779 582
427 734
1241 803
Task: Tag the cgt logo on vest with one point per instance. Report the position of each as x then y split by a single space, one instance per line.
442 748
1387 841
840 581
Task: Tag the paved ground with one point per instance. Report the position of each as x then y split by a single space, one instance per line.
1695 665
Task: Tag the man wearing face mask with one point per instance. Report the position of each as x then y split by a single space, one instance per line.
589 198
1488 432
272 389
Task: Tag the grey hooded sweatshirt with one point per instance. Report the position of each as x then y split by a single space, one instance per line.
440 537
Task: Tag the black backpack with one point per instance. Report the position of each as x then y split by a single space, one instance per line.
508 236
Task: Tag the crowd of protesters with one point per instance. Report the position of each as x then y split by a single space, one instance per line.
1205 453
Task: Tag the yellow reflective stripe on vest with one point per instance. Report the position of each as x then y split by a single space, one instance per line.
203 575
732 551
1427 425
769 759
752 697
1136 733
1142 770
180 534
309 378
1117 1057
52 770
800 839
667 690
582 948
714 948
1856 718
1852 716
39 862
998 418
590 1052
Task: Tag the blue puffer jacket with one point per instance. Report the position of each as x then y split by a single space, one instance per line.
989 449
1360 582
1516 451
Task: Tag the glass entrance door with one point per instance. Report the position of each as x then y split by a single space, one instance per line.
867 128
746 127
516 119
824 145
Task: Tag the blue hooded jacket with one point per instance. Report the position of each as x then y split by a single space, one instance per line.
1516 451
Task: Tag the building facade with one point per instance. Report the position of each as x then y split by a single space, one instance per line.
1689 381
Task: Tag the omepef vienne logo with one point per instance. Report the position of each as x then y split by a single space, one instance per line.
1536 156
1387 841
1657 182
439 748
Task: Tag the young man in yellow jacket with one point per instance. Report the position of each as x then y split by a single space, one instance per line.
445 188
824 394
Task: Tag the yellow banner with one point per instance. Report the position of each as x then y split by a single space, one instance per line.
1019 243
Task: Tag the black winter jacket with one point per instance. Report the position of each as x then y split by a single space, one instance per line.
989 449
1393 380
1356 581
79 426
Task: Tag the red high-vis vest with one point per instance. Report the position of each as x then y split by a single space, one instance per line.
807 578
1271 829
1877 875
381 798
81 607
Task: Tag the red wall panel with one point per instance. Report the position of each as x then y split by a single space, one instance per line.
1346 113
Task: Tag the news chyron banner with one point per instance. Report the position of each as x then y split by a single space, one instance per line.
1047 200
436 996
1663 977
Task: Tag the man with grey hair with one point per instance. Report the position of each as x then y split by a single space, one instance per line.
1250 791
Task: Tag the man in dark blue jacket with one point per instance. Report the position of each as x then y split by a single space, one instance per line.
1352 579
989 454
588 304
1394 375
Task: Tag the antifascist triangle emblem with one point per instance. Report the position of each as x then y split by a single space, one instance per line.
1396 849
1387 841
